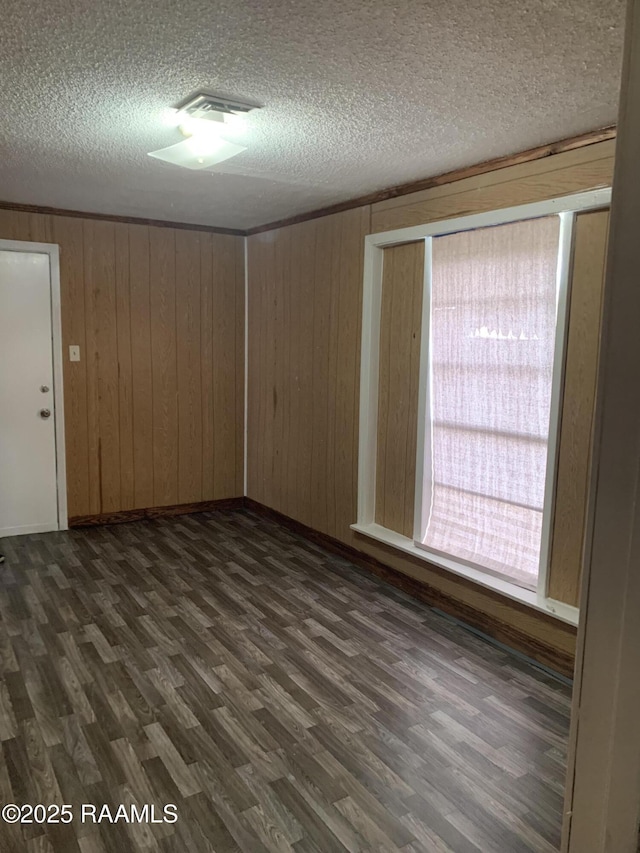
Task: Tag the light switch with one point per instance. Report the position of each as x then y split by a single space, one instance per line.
74 353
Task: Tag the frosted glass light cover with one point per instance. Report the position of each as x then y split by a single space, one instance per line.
198 153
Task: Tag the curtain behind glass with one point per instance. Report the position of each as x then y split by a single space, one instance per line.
492 336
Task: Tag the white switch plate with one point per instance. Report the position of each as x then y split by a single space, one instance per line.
74 353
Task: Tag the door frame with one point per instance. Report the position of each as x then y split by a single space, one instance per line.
602 804
52 250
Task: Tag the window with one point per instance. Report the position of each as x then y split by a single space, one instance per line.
491 361
492 341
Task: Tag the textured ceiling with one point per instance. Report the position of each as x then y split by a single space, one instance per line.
357 95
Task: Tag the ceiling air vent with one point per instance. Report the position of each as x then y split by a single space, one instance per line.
205 106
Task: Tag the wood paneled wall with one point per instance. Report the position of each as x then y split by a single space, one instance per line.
305 286
400 335
304 338
553 176
154 409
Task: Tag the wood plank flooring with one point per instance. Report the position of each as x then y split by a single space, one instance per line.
282 699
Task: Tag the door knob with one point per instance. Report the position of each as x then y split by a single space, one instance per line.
45 413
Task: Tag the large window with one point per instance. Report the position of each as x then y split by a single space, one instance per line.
487 404
492 342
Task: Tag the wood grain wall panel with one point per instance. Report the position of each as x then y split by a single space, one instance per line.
141 366
91 357
139 420
164 357
226 386
306 355
206 363
257 262
348 384
102 365
279 367
239 365
319 379
14 225
40 228
296 300
402 286
305 292
103 251
188 349
332 375
560 174
304 307
272 343
68 233
125 366
576 433
266 393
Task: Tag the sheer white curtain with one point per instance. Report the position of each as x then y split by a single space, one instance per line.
493 319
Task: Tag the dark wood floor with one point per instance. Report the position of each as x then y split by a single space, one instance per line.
281 698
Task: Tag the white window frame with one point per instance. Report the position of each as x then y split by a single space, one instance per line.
566 207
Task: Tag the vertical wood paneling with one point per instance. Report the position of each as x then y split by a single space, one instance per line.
256 259
91 357
224 358
272 343
304 334
332 373
68 233
40 227
188 323
578 405
206 363
402 286
141 365
125 369
239 363
261 262
276 364
307 237
162 276
321 301
295 298
102 365
158 314
14 225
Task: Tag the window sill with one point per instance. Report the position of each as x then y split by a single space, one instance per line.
530 598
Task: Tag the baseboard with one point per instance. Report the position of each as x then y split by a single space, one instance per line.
154 512
503 633
25 529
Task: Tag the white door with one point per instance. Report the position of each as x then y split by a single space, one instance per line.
28 482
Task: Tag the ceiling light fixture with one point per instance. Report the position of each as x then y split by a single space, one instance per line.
205 120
